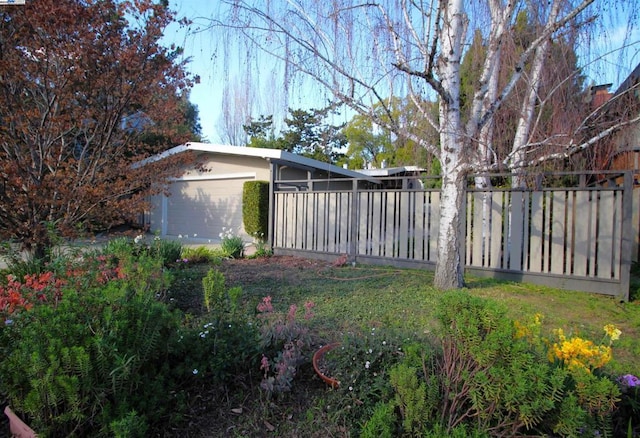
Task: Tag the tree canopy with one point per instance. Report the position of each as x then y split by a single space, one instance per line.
87 91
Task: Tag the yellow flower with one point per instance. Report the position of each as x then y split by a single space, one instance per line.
613 332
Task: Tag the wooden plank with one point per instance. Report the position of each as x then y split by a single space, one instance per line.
478 230
617 235
581 219
570 231
321 211
516 231
593 234
468 229
388 230
364 225
606 214
546 230
558 230
419 225
434 225
495 236
403 216
376 223
535 255
341 222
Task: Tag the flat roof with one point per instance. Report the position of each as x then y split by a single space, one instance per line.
273 155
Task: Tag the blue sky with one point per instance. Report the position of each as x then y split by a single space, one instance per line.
208 94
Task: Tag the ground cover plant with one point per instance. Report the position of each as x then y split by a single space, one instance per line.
138 341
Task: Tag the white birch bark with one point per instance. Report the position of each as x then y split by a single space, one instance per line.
449 269
518 157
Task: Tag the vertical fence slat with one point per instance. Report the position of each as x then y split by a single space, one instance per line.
515 235
534 257
557 253
479 230
404 216
495 255
434 225
605 235
419 228
582 219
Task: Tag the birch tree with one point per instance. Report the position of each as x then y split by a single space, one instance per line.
368 52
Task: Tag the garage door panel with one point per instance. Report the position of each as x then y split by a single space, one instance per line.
204 207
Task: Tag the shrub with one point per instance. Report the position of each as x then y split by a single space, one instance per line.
79 368
232 245
169 251
494 375
362 364
200 254
255 208
284 340
224 344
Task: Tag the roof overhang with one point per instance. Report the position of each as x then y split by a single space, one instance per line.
276 156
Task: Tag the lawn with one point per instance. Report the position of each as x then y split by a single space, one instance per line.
357 299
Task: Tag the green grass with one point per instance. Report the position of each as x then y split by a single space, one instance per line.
358 298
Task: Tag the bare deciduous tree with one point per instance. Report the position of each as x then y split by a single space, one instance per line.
368 52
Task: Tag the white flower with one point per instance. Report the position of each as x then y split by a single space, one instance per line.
138 239
367 364
351 388
384 342
179 236
370 350
195 371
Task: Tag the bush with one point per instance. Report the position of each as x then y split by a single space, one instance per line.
224 344
255 208
232 245
82 366
494 375
168 251
200 254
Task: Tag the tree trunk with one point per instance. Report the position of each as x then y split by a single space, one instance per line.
449 268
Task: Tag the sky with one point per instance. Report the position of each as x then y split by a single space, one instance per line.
208 94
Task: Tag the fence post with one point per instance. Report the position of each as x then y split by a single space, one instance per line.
353 222
626 235
272 205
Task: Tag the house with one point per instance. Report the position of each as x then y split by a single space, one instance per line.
621 151
207 198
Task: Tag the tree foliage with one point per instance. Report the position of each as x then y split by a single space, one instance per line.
87 91
307 133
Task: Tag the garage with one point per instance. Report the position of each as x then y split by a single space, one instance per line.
203 207
208 197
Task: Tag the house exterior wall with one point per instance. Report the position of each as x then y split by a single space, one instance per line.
202 202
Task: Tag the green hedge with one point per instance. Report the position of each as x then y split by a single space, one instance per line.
255 208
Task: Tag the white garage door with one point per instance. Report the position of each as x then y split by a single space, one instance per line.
205 207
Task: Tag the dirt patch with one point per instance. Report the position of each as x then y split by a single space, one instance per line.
246 271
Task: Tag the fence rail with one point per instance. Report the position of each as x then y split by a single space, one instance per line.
577 238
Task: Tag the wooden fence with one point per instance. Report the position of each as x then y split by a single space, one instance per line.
576 238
